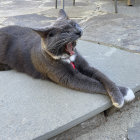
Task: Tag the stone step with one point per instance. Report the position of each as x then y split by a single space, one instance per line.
37 109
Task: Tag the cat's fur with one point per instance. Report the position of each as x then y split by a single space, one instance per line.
50 53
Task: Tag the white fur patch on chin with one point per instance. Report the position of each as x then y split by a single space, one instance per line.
67 60
72 58
129 95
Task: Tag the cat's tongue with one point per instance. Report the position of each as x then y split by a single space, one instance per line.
69 48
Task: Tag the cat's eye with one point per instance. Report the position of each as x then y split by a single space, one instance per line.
51 34
73 24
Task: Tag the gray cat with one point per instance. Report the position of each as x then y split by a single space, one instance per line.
51 54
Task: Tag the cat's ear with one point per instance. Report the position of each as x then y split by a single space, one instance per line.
62 15
42 32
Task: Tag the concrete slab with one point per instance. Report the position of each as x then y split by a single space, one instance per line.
29 20
120 66
114 30
15 7
37 109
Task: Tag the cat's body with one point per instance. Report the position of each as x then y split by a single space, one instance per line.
51 54
19 42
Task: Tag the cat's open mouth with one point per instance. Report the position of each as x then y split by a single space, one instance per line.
69 48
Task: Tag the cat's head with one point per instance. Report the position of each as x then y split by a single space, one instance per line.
59 39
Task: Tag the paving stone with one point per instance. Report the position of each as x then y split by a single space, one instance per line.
15 7
40 109
114 30
119 65
29 20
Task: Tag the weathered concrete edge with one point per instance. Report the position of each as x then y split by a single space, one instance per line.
80 120
74 122
136 89
82 128
77 121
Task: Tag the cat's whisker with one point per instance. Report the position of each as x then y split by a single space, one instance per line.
58 42
62 40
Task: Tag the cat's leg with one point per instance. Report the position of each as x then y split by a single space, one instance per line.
111 88
78 81
128 94
84 68
4 67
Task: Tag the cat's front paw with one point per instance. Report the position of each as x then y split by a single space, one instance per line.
117 99
127 93
118 105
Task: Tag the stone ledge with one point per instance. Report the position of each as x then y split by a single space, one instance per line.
90 124
81 128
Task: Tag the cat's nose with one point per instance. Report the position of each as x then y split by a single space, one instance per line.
79 32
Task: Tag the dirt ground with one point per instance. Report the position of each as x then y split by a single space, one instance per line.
117 124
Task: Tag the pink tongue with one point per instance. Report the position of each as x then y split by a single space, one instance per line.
69 49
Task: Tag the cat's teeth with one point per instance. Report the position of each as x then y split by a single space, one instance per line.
129 95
